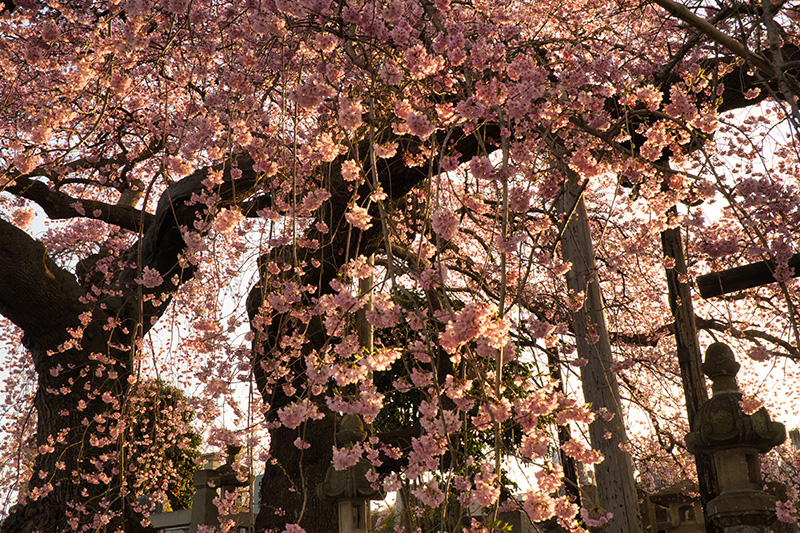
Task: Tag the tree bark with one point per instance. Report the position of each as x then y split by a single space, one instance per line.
81 379
319 267
616 488
291 477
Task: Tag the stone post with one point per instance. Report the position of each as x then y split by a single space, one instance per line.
203 509
735 440
209 483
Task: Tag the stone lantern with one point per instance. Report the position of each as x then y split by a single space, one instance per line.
350 488
683 507
735 440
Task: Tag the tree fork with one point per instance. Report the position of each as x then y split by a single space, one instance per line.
83 367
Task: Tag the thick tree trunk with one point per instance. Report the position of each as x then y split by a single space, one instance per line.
82 380
321 266
83 364
77 475
291 477
615 485
689 359
291 474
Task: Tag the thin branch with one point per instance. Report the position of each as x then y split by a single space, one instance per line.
752 335
683 13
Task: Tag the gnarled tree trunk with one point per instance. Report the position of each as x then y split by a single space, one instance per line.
83 348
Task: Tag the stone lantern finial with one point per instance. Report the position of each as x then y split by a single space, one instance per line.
351 430
721 368
735 440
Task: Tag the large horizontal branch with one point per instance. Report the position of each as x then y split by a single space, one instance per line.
44 299
60 206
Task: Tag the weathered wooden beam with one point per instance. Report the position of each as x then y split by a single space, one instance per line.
616 487
690 359
741 278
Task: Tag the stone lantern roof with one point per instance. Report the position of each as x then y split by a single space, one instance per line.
681 492
721 421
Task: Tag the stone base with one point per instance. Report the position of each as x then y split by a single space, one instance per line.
753 510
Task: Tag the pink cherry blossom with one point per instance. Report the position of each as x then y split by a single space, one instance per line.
445 223
151 278
227 220
23 218
359 218
595 517
539 506
419 125
429 493
346 457
298 412
350 170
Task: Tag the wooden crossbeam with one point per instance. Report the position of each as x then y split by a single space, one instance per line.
741 278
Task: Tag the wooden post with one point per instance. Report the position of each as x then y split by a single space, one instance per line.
689 359
615 485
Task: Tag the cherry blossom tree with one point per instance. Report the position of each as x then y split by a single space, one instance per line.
447 212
